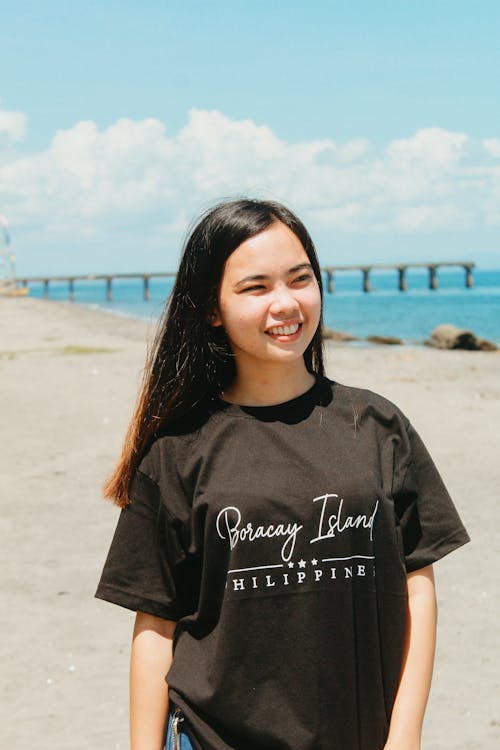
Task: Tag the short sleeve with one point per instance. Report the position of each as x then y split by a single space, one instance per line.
429 522
139 572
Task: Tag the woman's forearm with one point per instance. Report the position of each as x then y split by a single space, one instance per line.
150 661
418 661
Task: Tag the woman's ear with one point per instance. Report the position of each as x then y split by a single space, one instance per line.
213 318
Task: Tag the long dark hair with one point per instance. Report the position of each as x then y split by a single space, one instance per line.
189 360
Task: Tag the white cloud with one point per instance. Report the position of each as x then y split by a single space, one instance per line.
492 146
135 177
12 125
432 218
353 150
431 148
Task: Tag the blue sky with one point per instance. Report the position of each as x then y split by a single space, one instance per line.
378 122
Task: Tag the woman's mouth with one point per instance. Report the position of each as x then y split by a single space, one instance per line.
285 333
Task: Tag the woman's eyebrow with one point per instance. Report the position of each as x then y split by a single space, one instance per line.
301 267
263 277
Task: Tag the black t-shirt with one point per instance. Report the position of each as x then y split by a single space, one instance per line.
279 539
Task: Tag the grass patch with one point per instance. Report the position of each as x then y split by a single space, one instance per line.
70 349
13 353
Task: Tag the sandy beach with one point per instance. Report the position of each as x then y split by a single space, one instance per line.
69 377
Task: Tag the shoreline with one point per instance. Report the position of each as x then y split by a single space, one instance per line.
336 339
70 376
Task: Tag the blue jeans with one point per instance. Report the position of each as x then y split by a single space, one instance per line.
176 726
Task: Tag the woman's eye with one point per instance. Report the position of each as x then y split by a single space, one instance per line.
255 288
304 277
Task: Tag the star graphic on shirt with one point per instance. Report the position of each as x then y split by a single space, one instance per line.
314 561
302 563
290 564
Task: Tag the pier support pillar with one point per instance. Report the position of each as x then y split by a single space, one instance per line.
109 290
403 283
330 281
25 283
146 288
71 287
433 279
469 281
366 279
46 288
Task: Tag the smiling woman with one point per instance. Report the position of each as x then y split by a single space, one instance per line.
273 520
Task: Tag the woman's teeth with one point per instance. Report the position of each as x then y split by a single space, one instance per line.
284 330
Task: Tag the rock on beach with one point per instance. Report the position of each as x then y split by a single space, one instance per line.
448 336
389 340
330 335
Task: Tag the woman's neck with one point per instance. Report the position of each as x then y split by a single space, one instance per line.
268 388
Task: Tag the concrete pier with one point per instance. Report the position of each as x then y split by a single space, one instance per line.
402 271
366 279
403 282
330 282
107 278
468 275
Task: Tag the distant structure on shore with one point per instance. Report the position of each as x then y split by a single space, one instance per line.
330 271
8 285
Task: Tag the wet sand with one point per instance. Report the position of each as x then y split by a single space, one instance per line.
69 378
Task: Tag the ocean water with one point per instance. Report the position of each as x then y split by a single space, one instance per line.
384 311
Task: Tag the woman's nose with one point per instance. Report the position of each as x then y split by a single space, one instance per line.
283 302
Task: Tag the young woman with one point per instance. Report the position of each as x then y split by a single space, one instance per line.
278 529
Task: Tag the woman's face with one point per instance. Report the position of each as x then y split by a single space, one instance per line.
269 300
